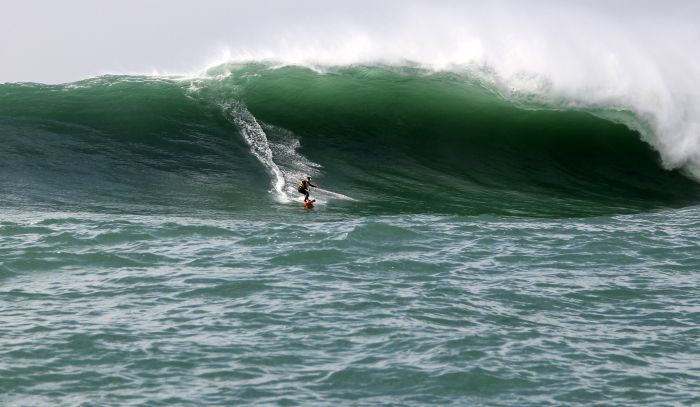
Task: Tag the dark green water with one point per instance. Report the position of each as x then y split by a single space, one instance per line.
464 250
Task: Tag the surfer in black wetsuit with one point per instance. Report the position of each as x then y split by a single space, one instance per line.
304 187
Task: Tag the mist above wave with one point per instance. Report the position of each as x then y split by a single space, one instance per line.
630 57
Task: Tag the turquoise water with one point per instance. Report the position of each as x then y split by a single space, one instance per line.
465 250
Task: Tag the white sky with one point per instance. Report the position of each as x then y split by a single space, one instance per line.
55 41
58 41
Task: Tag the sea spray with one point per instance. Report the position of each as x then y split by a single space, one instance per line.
624 56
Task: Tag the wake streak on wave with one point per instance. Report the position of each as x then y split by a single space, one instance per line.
293 166
255 136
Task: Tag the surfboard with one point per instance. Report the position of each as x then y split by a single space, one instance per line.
309 204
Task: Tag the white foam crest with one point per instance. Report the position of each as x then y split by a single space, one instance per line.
633 56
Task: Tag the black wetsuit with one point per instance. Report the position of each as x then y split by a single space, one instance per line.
304 188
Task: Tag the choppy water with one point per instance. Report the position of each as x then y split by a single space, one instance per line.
312 308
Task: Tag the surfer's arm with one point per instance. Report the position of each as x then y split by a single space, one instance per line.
315 186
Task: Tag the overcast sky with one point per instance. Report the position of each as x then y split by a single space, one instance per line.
58 41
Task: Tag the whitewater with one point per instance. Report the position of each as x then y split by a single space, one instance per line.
561 56
507 213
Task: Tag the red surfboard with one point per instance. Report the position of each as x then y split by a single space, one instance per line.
309 204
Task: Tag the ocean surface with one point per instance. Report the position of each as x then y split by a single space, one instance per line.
469 246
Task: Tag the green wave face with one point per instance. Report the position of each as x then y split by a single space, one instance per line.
394 140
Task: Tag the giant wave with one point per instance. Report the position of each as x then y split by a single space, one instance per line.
382 138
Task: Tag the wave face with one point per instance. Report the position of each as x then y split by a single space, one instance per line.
381 139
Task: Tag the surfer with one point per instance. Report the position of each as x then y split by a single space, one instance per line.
304 187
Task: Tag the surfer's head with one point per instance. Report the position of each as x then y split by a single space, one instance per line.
308 178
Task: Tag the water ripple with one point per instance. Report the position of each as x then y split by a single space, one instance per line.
409 310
